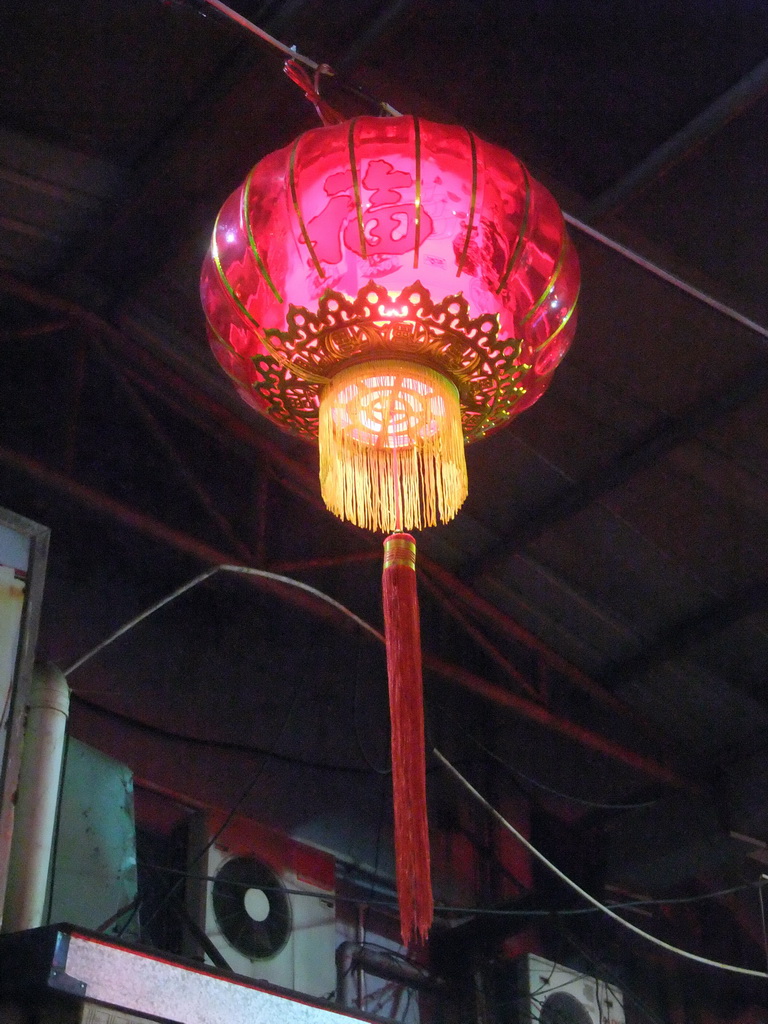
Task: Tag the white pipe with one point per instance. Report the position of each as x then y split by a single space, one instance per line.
37 799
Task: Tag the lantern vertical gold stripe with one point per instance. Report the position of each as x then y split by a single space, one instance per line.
222 341
252 242
560 326
521 239
417 199
226 283
356 186
297 209
557 270
472 204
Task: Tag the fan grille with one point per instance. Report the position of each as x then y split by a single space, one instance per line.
563 1008
256 939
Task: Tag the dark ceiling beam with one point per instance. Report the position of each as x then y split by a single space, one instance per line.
480 638
182 183
682 144
178 540
77 387
661 437
174 457
69 311
632 256
191 402
105 505
650 767
372 31
172 387
450 592
490 614
182 542
34 330
713 619
259 526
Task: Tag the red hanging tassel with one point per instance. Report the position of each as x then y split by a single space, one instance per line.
406 706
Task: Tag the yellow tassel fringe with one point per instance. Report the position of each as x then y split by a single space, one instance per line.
391 446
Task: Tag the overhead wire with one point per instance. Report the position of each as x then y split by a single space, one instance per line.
129 625
319 67
288 51
243 796
387 770
733 968
200 741
665 275
556 792
468 911
698 898
242 570
763 878
363 907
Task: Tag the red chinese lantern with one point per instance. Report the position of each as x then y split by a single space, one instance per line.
394 289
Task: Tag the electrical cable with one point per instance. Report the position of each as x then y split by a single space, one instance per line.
245 748
242 570
762 917
289 51
733 968
408 999
394 954
666 276
546 988
245 793
363 907
294 55
544 982
127 626
698 898
374 1001
54 859
645 264
366 627
444 908
114 918
556 792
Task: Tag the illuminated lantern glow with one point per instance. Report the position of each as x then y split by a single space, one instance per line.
391 446
391 239
392 289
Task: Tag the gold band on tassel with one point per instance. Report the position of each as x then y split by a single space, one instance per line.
392 446
400 549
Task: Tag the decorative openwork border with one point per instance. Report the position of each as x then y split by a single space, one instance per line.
316 344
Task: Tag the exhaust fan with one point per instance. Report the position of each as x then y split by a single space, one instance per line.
552 994
251 908
266 902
